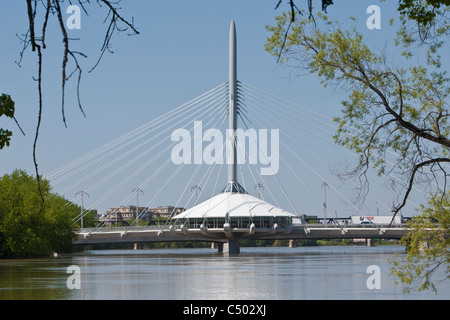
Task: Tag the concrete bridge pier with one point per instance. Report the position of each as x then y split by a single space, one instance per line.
215 245
231 247
228 247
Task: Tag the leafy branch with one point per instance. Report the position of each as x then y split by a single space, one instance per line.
403 110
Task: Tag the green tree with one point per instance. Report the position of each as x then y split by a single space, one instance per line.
6 109
424 12
427 247
388 109
27 228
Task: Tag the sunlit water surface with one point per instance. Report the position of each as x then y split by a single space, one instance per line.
256 273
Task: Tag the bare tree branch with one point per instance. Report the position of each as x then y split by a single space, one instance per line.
294 9
411 181
39 43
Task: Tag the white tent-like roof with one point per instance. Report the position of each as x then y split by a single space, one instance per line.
233 205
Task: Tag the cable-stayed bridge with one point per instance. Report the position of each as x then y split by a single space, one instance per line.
191 145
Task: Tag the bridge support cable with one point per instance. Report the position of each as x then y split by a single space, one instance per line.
295 107
156 195
285 105
148 180
180 167
192 113
202 181
254 104
167 222
262 109
254 167
269 189
207 173
147 151
269 118
320 176
148 163
257 101
275 176
118 142
218 104
294 173
155 173
138 158
336 156
302 180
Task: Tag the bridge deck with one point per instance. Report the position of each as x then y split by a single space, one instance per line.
172 234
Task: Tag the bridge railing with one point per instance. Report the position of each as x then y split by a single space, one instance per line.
307 225
329 225
126 228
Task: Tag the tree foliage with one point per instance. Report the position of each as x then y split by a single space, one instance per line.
427 247
401 110
28 229
424 12
6 109
396 118
424 23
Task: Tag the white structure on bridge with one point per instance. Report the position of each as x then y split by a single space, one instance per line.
233 209
233 215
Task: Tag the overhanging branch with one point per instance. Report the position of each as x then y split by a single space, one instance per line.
411 181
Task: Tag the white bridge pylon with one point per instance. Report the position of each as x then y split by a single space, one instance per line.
232 214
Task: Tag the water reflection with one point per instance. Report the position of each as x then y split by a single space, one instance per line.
256 273
36 279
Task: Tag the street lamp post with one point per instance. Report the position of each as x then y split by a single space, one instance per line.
196 188
324 186
82 194
137 190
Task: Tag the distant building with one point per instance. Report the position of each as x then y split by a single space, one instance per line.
126 213
165 212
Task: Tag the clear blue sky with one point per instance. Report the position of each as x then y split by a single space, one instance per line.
181 52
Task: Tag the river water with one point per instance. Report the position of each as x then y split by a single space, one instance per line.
275 273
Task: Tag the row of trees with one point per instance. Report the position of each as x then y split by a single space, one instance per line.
30 227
